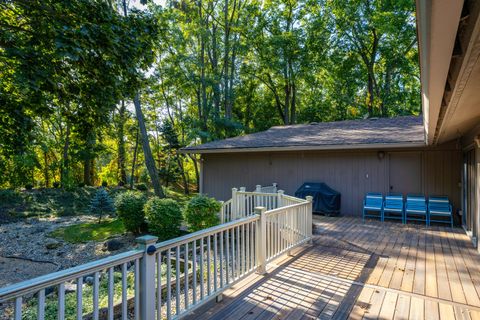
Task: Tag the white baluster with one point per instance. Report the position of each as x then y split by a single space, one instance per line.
41 305
110 293
261 240
79 298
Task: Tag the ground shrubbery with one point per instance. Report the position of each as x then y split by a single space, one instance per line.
102 204
141 187
164 217
202 212
129 206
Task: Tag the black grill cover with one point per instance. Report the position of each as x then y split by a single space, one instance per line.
325 199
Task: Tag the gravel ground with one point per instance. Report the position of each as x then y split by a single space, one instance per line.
27 251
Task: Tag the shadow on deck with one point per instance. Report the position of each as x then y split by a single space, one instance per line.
354 271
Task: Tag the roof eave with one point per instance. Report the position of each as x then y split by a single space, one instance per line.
308 148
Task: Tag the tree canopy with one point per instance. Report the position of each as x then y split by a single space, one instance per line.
203 70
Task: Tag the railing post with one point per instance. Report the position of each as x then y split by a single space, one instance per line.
241 203
258 188
222 212
274 187
234 203
147 277
261 240
280 194
309 217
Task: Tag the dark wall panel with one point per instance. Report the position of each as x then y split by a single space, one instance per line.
353 173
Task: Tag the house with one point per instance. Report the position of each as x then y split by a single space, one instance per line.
433 154
353 157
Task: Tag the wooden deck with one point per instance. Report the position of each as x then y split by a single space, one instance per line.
363 271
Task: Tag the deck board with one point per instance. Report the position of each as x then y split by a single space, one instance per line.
363 271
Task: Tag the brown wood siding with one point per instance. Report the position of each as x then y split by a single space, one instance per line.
352 173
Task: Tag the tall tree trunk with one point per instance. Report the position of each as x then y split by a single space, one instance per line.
134 161
197 172
293 104
370 95
203 80
88 163
65 161
286 106
45 170
122 173
182 172
147 151
228 110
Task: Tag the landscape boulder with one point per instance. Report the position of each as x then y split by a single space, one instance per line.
113 245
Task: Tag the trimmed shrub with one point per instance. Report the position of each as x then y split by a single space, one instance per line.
164 217
101 204
9 196
129 206
202 212
141 187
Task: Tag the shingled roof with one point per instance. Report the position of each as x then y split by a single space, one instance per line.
349 134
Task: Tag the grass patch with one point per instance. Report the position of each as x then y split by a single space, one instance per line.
179 196
59 202
84 232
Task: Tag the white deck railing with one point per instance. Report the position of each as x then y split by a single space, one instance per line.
171 278
243 203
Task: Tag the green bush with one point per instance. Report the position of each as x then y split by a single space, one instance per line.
129 206
164 217
141 187
202 212
28 186
101 204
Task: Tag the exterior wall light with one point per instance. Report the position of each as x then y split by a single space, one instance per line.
381 155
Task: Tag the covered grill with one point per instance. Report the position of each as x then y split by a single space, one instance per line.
325 199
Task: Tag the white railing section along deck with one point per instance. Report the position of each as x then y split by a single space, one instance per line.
243 203
170 279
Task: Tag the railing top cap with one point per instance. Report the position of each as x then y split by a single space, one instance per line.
146 239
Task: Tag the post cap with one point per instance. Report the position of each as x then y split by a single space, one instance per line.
309 198
260 210
274 184
281 191
146 239
242 189
234 189
258 186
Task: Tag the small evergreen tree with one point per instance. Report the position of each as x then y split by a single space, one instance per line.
101 204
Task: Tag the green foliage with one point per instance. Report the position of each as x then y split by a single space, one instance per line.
69 69
83 232
129 207
202 212
51 301
164 217
102 204
10 196
68 59
46 202
141 187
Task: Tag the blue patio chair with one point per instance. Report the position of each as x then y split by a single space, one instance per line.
393 207
416 209
373 202
440 207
